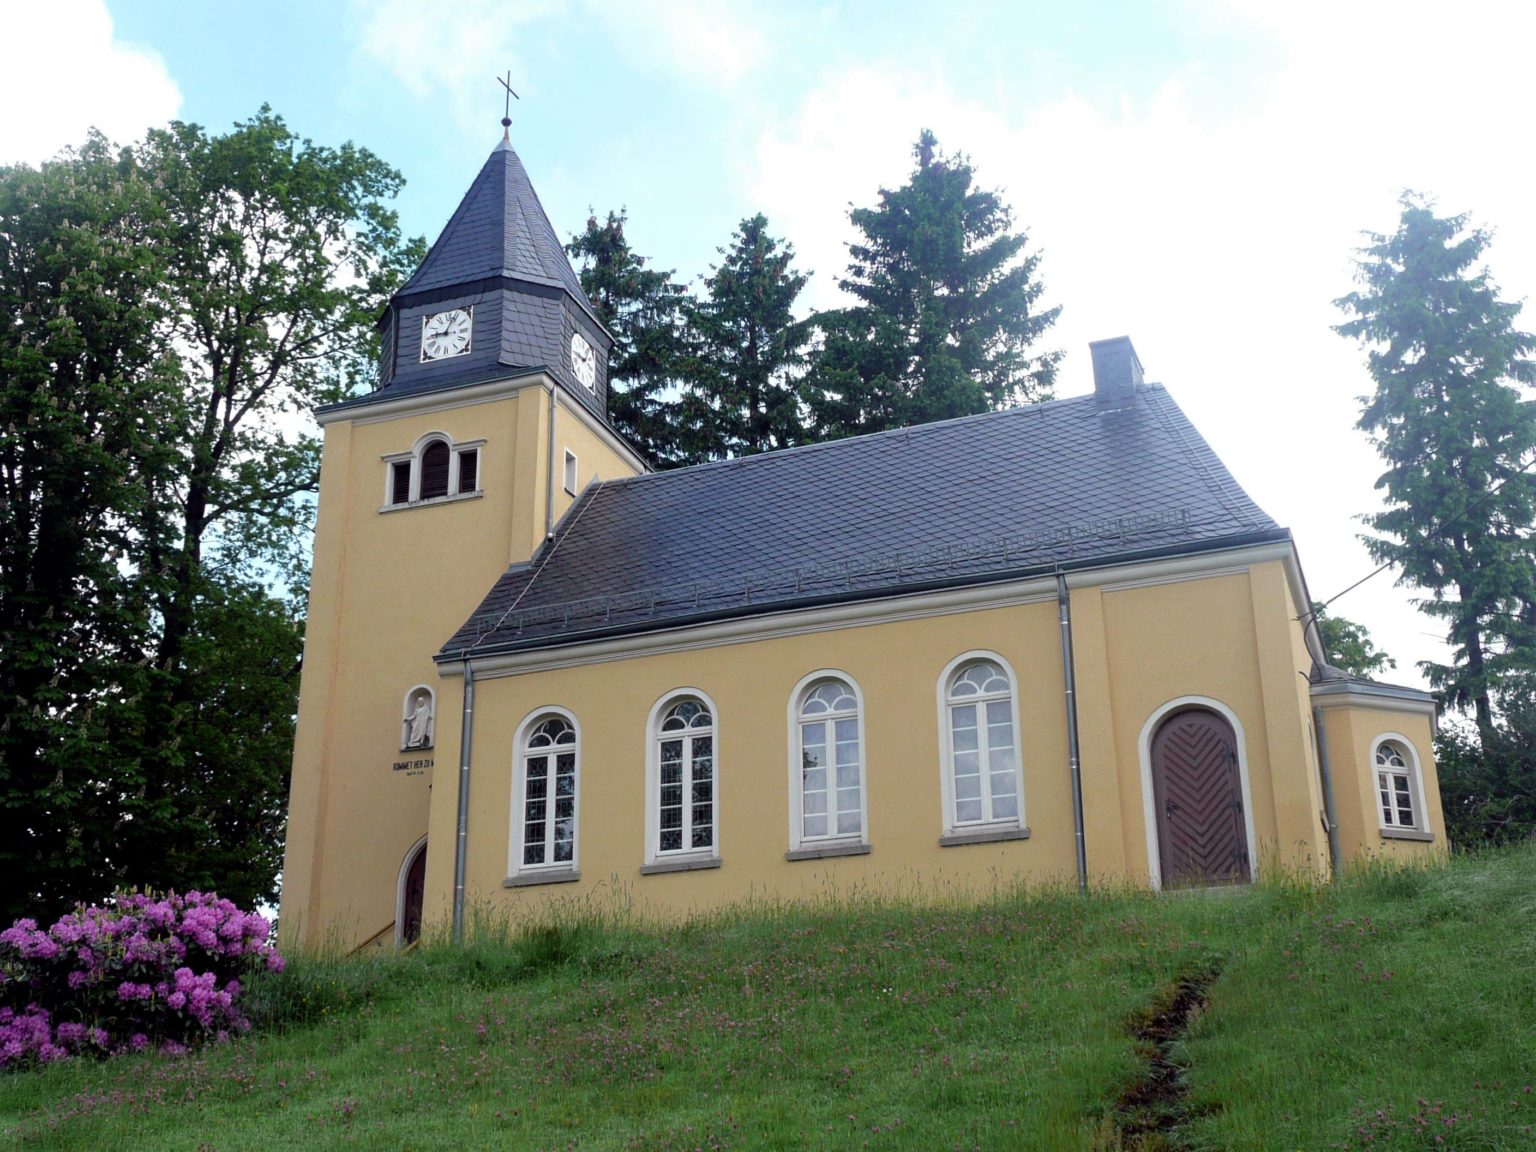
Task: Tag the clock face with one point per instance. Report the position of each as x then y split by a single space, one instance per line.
584 361
445 334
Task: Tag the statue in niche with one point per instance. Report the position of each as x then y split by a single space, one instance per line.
416 729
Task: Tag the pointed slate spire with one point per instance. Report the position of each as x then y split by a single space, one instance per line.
500 260
499 229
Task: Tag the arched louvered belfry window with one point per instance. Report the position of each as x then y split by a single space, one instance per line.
434 470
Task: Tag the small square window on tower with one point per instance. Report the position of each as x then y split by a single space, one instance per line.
570 472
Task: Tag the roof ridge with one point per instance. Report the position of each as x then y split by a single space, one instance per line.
905 432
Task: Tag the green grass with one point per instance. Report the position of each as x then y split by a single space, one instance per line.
1384 1012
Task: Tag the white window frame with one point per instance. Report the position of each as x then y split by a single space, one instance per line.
1419 829
833 843
1009 827
569 473
550 870
456 450
688 858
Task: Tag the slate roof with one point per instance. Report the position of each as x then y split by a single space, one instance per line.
499 229
1008 494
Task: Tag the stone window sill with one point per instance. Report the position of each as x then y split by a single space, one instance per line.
827 851
1407 834
553 876
983 836
434 501
697 864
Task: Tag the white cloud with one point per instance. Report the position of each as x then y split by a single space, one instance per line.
438 51
707 41
62 56
1218 238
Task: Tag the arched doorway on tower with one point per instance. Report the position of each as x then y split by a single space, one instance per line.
412 889
1197 792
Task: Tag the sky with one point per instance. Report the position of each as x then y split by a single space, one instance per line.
1197 174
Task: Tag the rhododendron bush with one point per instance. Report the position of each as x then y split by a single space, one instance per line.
139 971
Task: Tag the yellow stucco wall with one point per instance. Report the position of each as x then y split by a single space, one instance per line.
1225 639
389 586
1352 728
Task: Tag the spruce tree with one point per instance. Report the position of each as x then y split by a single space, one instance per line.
948 313
746 350
1458 436
642 309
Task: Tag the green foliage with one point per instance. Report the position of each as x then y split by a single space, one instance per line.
948 308
746 350
1488 787
1349 645
1341 1017
1459 439
179 305
642 309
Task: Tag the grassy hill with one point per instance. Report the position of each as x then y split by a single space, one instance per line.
1396 1010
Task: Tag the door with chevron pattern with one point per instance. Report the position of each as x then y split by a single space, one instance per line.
1201 831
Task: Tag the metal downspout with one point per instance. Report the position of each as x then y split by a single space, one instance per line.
1323 770
549 480
1070 677
462 842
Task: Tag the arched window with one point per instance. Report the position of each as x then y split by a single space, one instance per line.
436 468
549 763
685 785
983 778
1397 786
827 783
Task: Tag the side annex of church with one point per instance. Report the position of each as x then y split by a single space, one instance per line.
1041 644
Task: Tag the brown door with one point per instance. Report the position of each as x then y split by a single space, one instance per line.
1201 833
415 888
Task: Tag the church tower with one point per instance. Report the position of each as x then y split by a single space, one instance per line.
489 418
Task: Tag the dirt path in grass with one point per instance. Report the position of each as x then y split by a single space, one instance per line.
1152 1111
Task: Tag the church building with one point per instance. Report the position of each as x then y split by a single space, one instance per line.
1056 643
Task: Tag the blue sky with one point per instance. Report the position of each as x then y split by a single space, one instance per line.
1196 173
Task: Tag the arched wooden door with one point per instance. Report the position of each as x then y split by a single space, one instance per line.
1202 835
411 897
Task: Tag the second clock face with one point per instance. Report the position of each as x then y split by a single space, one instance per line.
583 360
445 334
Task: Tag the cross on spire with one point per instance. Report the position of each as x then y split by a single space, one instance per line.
506 114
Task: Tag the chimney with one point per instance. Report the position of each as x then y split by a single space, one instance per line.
1116 371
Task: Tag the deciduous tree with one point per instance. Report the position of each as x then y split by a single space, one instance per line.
1349 645
184 302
